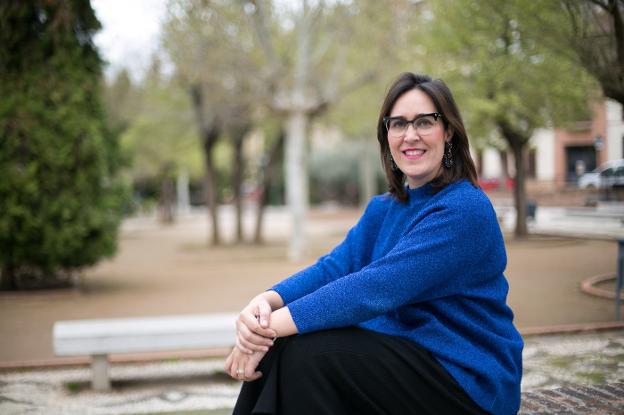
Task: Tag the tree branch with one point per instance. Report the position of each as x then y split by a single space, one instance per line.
208 129
618 27
600 4
327 101
261 27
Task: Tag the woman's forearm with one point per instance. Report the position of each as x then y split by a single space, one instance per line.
282 322
274 299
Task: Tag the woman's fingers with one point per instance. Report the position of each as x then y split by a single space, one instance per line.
228 363
264 314
250 369
252 340
250 321
242 348
255 376
235 364
251 366
250 347
243 367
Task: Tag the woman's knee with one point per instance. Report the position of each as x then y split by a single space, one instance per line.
309 345
323 353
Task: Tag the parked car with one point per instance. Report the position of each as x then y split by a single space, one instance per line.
607 175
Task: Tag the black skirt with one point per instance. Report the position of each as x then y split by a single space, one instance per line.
351 371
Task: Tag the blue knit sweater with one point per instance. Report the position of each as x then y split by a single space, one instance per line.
430 270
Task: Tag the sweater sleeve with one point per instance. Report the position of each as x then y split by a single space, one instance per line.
448 250
349 256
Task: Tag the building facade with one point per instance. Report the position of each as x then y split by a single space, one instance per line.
557 157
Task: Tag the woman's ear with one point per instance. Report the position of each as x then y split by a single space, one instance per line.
448 134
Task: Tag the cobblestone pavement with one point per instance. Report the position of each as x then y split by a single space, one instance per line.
599 399
199 387
562 360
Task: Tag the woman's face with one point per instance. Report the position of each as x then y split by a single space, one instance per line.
417 154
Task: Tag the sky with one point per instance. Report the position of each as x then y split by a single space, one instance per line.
131 30
130 33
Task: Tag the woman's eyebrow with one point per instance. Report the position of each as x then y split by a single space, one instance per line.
416 116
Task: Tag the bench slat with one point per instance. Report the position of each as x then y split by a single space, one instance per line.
126 335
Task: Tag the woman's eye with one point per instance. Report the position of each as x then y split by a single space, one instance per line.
398 124
425 122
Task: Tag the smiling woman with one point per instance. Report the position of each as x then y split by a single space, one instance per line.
436 149
408 314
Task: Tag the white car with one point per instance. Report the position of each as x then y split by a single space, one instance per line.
607 175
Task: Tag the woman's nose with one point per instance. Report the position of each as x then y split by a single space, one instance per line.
411 133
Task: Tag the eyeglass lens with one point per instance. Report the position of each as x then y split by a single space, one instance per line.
422 124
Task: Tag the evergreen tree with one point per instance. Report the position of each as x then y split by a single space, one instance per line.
60 201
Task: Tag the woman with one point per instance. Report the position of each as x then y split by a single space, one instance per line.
408 314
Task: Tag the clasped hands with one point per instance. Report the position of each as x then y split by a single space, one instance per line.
253 339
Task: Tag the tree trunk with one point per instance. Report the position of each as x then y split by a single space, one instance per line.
520 191
209 133
183 198
267 173
504 174
210 188
518 142
237 181
296 128
615 88
367 174
165 207
296 182
8 278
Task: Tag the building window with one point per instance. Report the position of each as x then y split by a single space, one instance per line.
579 160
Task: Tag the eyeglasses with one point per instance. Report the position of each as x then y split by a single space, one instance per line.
423 124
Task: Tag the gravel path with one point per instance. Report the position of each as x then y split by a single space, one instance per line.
550 361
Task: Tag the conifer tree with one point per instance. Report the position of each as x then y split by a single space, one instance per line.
60 200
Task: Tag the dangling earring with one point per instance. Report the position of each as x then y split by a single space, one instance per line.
447 159
393 165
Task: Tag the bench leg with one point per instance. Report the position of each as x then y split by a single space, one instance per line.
99 366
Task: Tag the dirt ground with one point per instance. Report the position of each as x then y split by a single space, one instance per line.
171 270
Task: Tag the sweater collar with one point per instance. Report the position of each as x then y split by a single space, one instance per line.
422 192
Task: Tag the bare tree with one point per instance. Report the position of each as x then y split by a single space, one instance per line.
209 132
296 91
238 132
267 174
212 52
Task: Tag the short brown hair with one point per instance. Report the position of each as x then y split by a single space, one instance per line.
463 166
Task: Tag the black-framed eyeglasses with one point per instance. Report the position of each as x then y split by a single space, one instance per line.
423 124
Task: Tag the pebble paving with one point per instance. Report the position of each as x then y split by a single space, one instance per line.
199 387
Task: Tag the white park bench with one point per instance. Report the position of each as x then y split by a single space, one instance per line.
99 338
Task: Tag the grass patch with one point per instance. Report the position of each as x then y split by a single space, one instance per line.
592 377
73 387
561 362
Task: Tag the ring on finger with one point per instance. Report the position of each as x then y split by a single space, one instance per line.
240 371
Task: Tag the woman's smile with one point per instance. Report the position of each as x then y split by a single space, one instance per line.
414 153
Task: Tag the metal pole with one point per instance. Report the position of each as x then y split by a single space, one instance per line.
620 278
